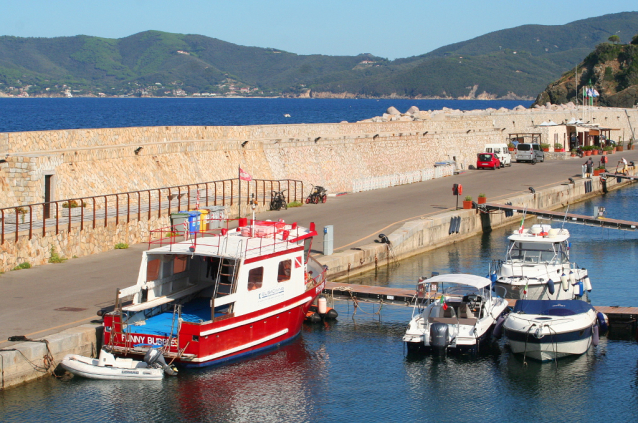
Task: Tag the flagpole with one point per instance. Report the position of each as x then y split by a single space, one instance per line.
239 178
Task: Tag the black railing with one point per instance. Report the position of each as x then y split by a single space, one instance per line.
62 214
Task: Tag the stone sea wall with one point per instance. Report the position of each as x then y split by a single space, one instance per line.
89 162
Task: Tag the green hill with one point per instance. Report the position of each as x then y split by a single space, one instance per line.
516 62
611 69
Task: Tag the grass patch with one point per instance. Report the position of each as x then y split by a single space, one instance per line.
121 246
55 257
295 204
25 265
171 234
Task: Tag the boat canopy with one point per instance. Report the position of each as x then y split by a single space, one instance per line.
552 307
461 279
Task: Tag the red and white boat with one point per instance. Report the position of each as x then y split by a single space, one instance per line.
221 295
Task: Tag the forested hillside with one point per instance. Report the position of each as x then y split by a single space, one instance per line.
512 63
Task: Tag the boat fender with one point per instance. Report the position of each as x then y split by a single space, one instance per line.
572 277
602 322
322 305
595 336
564 282
550 286
587 283
331 314
498 327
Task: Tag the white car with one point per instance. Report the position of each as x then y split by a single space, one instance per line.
501 151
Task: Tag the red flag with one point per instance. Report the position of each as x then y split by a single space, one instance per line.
244 176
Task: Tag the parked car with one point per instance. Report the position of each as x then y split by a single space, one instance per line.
527 152
501 151
487 161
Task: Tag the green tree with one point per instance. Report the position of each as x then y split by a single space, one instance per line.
614 39
635 39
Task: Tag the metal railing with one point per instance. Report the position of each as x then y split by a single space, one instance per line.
96 210
385 181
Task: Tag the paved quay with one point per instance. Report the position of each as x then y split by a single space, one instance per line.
47 299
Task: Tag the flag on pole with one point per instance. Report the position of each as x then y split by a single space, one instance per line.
525 289
443 302
197 203
520 230
244 176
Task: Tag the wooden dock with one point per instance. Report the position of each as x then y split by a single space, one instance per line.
599 222
621 319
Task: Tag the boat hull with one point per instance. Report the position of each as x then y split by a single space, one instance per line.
219 342
547 337
78 366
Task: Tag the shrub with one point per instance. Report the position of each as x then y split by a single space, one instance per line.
121 246
25 265
468 198
71 204
55 257
558 146
482 195
544 146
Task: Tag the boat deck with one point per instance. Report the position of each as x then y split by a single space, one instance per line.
195 311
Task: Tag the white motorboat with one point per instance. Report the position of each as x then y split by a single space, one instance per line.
537 267
550 329
109 367
453 312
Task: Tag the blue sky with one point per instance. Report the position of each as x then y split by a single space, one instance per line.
390 29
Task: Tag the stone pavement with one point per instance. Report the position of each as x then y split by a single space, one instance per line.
47 299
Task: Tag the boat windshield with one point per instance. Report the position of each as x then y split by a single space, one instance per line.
536 252
461 290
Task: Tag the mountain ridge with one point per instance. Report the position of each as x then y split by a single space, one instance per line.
511 63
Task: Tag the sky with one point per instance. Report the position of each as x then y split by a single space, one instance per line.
390 29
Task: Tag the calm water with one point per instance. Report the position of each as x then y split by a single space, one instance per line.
355 369
37 114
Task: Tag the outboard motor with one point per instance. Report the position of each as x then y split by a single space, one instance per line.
439 336
154 358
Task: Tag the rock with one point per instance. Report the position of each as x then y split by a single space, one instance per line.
570 105
412 110
503 109
519 107
405 118
538 106
392 111
344 121
548 105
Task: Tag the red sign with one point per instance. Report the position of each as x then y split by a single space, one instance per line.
298 262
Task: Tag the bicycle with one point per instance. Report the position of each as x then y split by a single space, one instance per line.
317 194
278 200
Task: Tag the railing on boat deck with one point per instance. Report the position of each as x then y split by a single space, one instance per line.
96 210
217 238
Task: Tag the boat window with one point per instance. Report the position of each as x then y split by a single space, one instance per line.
283 274
152 270
179 264
255 278
533 252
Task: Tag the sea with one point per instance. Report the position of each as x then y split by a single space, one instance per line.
356 368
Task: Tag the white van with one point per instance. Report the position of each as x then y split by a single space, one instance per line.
501 151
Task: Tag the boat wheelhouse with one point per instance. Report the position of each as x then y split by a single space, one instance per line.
219 295
537 266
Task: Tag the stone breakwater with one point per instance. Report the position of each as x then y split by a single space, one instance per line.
90 162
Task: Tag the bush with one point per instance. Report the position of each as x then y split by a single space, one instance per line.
558 146
468 198
71 204
55 257
482 195
544 146
25 265
121 246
